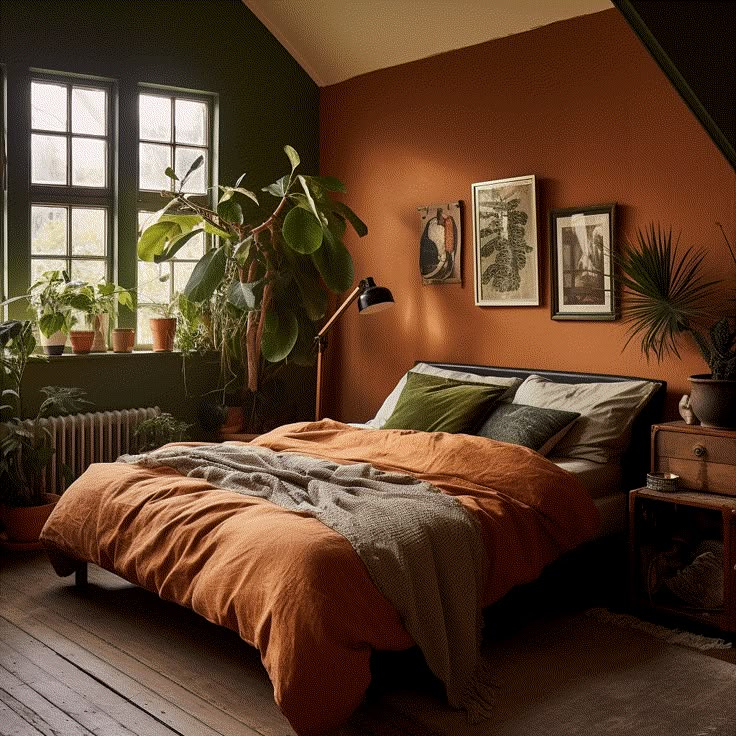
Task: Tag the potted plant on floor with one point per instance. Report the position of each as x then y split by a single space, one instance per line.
264 285
668 296
26 447
156 431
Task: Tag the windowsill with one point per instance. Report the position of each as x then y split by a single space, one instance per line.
109 355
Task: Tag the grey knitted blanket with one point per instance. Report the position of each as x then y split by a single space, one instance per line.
423 551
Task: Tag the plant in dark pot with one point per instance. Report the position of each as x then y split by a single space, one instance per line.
667 296
48 301
26 446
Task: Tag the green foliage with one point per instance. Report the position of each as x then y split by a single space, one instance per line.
17 344
156 431
49 302
265 283
26 448
668 295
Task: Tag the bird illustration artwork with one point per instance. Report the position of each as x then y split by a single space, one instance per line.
438 248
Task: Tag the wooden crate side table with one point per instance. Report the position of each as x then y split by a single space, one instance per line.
655 518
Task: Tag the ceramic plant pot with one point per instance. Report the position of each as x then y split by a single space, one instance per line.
53 344
99 344
123 339
82 340
163 330
24 523
713 401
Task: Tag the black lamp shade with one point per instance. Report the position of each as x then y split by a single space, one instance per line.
373 298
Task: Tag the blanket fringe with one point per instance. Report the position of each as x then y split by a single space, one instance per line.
480 694
671 636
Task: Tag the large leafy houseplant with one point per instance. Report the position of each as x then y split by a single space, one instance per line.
264 285
668 295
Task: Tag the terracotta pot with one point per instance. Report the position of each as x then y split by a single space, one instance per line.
54 344
713 401
123 339
163 330
101 324
82 340
24 523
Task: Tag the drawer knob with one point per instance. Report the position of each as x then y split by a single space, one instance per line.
699 451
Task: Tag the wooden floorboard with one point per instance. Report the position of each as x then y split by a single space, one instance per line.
145 666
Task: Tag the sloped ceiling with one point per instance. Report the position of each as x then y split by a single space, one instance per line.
335 40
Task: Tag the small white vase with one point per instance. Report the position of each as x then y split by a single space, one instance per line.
54 344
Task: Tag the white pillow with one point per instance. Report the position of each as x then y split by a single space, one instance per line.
607 411
389 404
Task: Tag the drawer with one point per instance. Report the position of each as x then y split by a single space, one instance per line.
704 461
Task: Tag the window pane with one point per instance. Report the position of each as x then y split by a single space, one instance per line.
48 159
143 331
191 122
88 111
192 250
154 160
197 182
88 162
182 272
88 232
48 231
154 118
48 106
150 287
41 265
92 271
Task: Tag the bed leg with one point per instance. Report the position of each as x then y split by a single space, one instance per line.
80 575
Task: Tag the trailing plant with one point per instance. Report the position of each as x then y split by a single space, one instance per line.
26 451
668 295
156 431
264 284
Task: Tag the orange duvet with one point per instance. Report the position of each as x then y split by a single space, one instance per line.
289 585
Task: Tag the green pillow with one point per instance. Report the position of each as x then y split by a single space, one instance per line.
435 404
539 429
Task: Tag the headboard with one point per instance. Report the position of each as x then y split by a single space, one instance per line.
635 462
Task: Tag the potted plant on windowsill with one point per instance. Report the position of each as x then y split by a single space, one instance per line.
163 327
48 301
26 447
668 295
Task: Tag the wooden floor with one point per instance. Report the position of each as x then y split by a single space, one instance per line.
113 659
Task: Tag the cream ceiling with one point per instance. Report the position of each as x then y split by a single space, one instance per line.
334 40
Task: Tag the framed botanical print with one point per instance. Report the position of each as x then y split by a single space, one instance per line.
506 251
581 263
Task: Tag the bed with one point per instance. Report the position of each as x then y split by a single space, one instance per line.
199 524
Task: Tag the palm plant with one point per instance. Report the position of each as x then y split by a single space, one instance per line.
668 295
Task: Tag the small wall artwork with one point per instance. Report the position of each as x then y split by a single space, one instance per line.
440 243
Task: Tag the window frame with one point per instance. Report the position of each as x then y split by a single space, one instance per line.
69 196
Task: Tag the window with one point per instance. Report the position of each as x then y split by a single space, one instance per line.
174 130
71 177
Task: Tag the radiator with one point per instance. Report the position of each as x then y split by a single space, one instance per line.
83 439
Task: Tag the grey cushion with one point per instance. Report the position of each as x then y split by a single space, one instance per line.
531 426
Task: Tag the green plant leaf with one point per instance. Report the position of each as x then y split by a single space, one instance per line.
175 245
294 159
242 250
304 353
171 174
358 225
229 192
197 163
230 211
308 281
328 183
206 276
219 232
154 238
278 188
308 195
335 264
48 324
302 231
245 297
280 333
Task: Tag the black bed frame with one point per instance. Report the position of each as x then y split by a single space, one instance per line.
636 460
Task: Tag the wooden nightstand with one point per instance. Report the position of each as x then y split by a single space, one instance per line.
666 530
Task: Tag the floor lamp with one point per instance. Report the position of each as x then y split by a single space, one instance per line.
371 298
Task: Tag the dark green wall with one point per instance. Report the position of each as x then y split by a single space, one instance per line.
265 100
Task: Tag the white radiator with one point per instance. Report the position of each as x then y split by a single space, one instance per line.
83 439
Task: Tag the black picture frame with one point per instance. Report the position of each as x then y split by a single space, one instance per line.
582 273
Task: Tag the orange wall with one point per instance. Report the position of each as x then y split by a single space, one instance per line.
581 105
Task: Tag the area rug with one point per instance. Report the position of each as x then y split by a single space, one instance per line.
576 676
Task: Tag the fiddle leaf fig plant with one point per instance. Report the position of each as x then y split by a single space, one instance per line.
265 283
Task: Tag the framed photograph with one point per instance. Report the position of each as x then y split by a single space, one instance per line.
440 243
506 251
581 263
